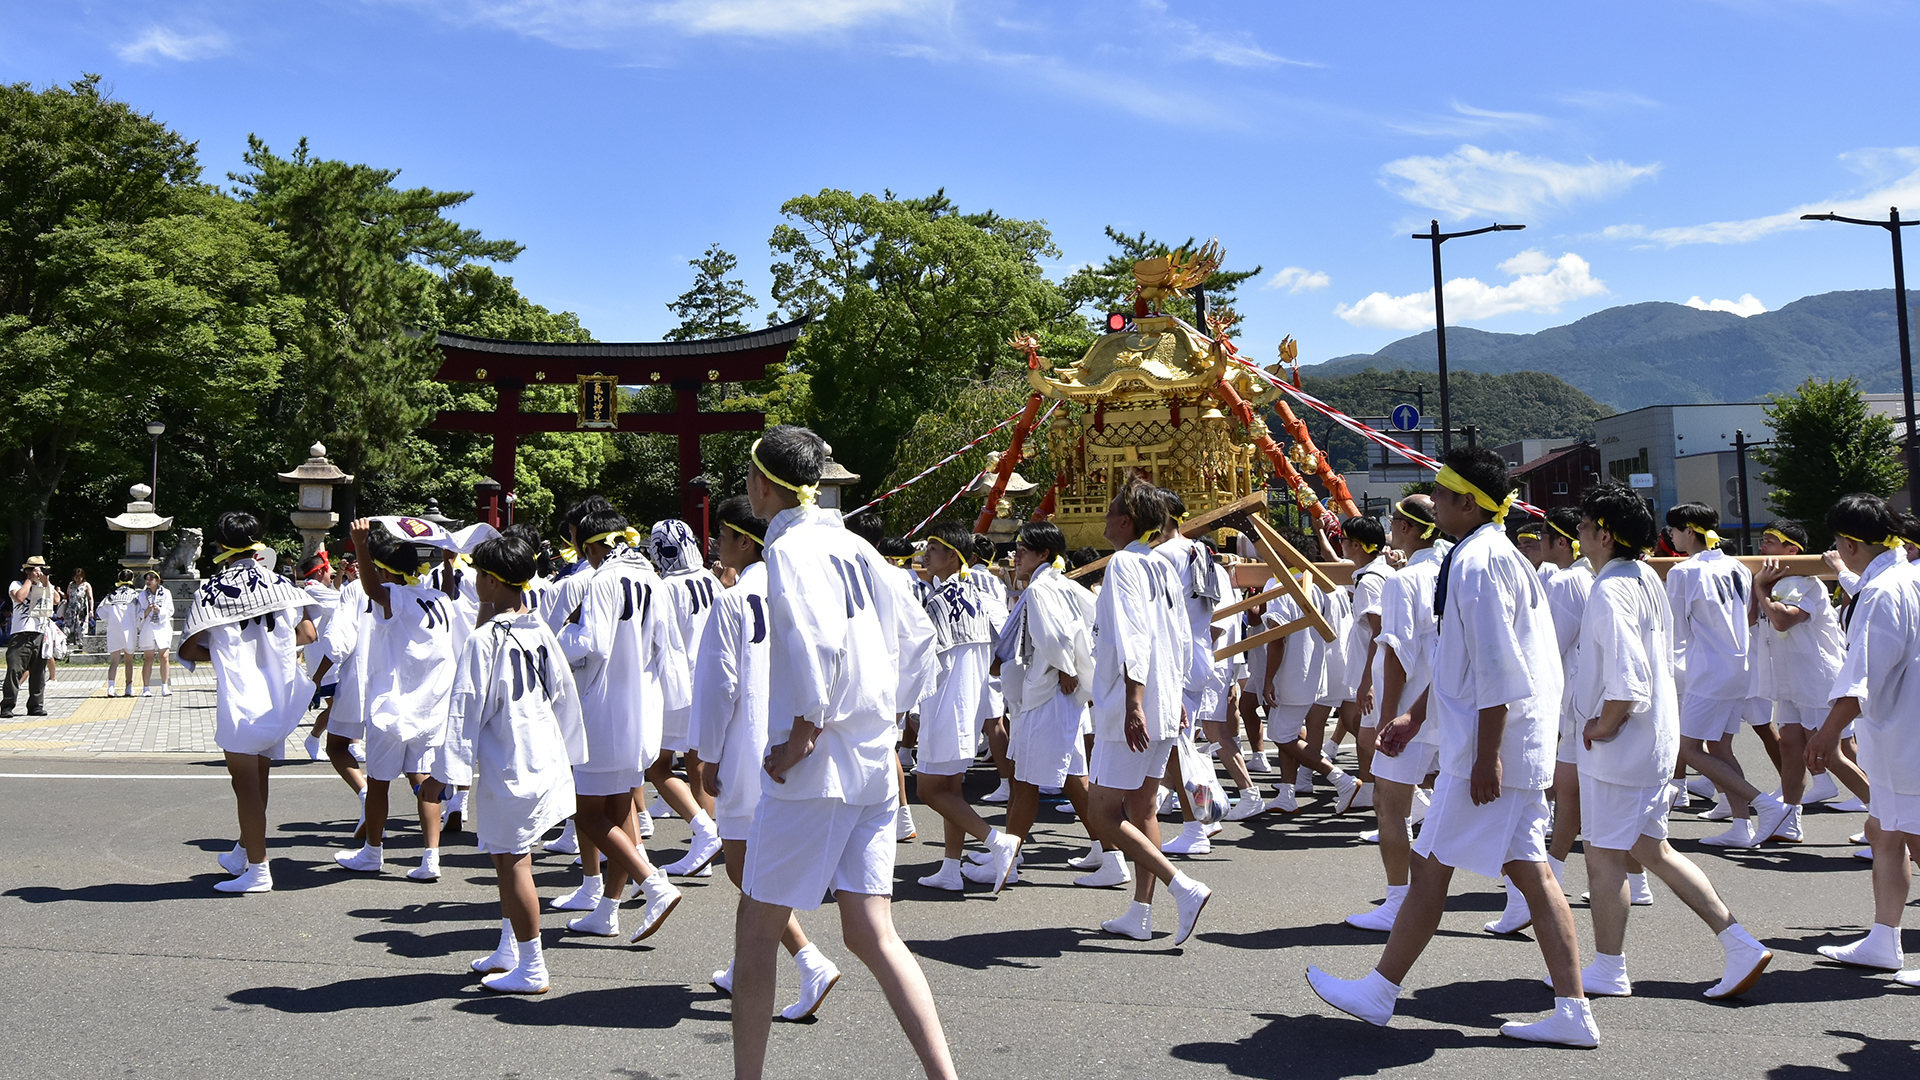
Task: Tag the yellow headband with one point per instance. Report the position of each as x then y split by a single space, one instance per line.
956 551
1599 524
1362 545
743 532
1783 538
1891 543
411 579
1530 530
602 538
1454 482
520 586
1572 540
809 493
1427 529
1147 537
229 552
567 553
1711 537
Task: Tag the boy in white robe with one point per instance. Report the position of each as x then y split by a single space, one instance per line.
690 590
1495 697
1708 594
1408 635
1879 687
249 624
1798 647
1142 655
513 737
965 615
840 659
407 649
559 600
629 666
1364 543
116 617
1294 688
344 721
1628 742
1046 654
993 724
730 721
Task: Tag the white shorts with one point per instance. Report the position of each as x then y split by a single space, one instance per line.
1895 812
1417 762
1710 719
1045 743
1759 712
734 828
1570 729
611 782
351 729
118 640
1115 766
1285 721
1511 828
801 848
1615 817
676 731
1810 717
942 768
389 759
155 639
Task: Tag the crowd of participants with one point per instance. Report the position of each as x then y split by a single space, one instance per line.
1511 684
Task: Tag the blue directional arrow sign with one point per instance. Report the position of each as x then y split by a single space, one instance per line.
1405 418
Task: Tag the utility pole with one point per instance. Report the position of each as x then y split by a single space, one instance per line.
1893 225
1740 448
1440 317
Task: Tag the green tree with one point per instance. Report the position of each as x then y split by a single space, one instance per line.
716 306
1826 443
366 258
957 419
1505 408
912 300
128 290
1107 287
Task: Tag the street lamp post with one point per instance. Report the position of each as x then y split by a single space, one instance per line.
156 429
1893 225
1440 317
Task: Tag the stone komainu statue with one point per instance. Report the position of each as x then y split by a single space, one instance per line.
180 558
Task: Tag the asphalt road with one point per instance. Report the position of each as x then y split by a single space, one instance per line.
122 961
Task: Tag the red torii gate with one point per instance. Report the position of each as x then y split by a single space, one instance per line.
512 366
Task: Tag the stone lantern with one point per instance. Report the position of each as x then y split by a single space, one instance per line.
139 524
834 477
1005 525
314 515
432 513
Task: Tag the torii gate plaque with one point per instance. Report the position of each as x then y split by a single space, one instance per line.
512 366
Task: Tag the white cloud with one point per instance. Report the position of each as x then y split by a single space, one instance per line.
1539 283
159 43
1877 163
1297 279
587 24
1467 120
1471 182
1747 306
1607 100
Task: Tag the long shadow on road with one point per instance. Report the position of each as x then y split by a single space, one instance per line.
1324 1048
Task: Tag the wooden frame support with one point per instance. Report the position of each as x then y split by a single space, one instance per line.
1267 637
1198 523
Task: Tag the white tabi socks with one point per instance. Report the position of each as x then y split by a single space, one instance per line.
504 956
368 860
703 850
1113 871
1570 1025
566 843
529 974
817 977
947 877
1516 917
429 868
584 898
1746 959
1137 923
1879 949
255 878
1092 860
1381 918
234 862
1191 841
661 897
603 921
1370 999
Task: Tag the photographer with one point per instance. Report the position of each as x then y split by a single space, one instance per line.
33 598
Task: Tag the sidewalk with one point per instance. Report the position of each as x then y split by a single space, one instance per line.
81 718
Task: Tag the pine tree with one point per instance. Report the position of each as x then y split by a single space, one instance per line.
715 306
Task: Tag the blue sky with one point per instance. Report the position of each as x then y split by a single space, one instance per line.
1656 151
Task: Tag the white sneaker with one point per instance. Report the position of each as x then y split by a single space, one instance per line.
602 921
1346 789
234 862
1137 923
903 827
1879 949
529 974
503 957
565 844
1721 810
1516 917
1858 838
1000 794
1215 829
1190 898
947 877
1746 959
255 878
1864 854
1370 999
1381 918
1738 835
1094 859
1191 841
1259 763
1250 805
1113 871
662 896
1571 1024
1820 788
429 868
368 860
585 898
817 978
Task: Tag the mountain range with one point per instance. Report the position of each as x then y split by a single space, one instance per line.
1659 353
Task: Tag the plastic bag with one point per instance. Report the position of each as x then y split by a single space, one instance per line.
1204 790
